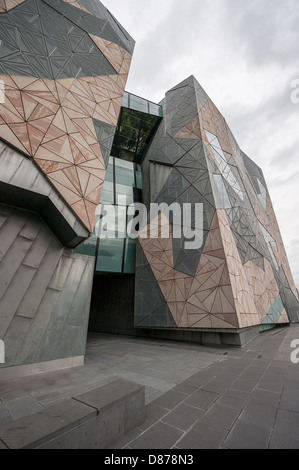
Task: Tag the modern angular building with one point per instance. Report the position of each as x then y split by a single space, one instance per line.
73 141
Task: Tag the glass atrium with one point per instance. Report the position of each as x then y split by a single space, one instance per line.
138 122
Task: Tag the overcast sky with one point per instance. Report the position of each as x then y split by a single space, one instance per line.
245 54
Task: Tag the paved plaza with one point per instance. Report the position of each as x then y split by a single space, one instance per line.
197 397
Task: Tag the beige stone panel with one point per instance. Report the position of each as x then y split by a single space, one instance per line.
214 122
21 132
76 4
217 322
201 322
190 131
80 209
8 135
242 291
264 287
283 318
118 57
7 5
91 210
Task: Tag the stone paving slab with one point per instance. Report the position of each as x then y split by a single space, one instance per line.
159 436
203 436
218 398
245 435
159 365
248 401
183 417
286 431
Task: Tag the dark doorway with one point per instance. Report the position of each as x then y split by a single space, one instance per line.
112 304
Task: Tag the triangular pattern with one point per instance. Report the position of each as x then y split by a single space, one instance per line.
77 5
190 131
150 306
116 55
105 134
236 277
213 121
196 300
63 94
53 123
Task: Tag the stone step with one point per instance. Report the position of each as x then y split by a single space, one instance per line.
93 420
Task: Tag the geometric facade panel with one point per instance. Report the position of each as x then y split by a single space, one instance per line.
64 72
240 277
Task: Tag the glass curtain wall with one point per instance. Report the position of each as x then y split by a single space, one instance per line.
122 187
138 123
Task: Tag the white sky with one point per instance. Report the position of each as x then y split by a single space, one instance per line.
245 54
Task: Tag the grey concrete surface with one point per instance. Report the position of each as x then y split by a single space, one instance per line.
196 397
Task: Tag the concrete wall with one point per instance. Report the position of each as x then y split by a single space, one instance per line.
45 291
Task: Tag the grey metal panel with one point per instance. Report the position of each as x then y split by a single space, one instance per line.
10 161
14 338
81 303
159 174
38 249
25 168
11 262
31 227
57 35
5 210
13 296
186 261
44 308
2 219
67 296
78 346
47 348
67 342
61 273
38 328
100 11
105 133
35 293
9 231
73 336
